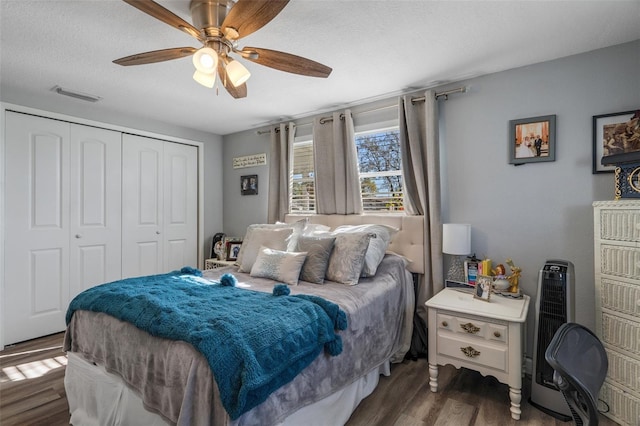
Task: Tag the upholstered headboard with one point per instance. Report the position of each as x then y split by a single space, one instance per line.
408 242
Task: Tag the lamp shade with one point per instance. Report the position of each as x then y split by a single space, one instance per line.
207 80
456 238
237 72
205 60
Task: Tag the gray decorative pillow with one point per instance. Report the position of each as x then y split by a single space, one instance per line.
377 244
278 265
347 258
318 252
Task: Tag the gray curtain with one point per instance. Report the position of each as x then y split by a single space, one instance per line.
281 146
336 165
418 123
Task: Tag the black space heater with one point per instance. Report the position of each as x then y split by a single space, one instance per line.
555 305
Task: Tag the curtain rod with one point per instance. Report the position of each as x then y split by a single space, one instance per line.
323 120
262 132
446 94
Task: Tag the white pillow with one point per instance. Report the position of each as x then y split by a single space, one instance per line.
275 238
377 244
347 257
248 236
278 265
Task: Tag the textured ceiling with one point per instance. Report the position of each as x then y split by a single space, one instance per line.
376 49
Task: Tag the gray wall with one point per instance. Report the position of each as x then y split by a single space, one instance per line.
530 213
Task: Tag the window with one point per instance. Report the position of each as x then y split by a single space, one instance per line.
302 190
380 170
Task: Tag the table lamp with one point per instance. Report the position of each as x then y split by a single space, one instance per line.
456 241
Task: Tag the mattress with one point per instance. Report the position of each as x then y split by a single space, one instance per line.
379 313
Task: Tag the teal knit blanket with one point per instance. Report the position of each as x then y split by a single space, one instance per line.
254 342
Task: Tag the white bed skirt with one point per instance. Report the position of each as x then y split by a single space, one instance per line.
99 398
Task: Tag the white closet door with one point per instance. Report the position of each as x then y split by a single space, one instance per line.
37 231
95 213
180 206
142 206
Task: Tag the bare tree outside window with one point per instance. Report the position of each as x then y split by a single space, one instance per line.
380 170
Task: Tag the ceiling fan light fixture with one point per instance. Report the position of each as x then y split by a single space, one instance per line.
237 72
206 79
206 60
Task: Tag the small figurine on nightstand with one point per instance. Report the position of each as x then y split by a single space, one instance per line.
514 277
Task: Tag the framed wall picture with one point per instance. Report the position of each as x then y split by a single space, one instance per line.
249 185
616 138
233 248
532 140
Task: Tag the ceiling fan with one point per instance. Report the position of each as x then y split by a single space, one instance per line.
218 25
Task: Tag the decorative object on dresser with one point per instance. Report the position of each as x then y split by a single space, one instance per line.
532 140
627 183
456 241
486 337
555 306
617 297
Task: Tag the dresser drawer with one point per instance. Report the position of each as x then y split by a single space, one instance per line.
620 261
473 350
623 369
494 331
620 296
621 333
624 408
620 225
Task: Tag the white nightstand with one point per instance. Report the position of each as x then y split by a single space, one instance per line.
215 263
484 336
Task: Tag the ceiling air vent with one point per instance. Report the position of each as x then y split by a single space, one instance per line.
82 96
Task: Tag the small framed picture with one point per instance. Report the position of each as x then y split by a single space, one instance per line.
249 185
233 248
483 288
616 138
532 140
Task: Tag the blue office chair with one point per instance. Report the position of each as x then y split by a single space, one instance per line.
580 365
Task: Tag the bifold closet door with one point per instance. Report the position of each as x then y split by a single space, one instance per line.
63 219
95 207
36 226
159 206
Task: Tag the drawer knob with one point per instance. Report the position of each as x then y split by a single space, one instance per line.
497 333
445 324
470 352
470 328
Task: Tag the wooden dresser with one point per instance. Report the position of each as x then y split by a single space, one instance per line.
617 281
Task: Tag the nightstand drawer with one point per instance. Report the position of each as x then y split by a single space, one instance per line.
473 327
473 350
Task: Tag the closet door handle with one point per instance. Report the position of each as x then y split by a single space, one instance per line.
78 235
158 232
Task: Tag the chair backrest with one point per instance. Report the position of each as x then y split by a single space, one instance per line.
580 365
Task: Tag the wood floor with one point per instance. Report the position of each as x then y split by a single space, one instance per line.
32 393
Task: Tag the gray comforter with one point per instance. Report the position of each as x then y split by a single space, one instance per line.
175 381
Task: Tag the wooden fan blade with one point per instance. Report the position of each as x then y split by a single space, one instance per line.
159 12
287 62
248 16
236 92
156 56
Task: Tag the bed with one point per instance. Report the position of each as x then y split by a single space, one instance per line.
119 374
